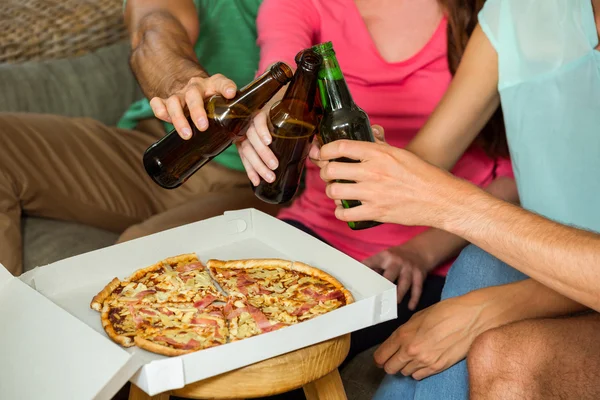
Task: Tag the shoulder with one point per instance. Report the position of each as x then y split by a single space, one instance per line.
534 37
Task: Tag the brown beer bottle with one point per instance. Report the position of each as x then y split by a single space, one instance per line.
342 118
292 122
172 160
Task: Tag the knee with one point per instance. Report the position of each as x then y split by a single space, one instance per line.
475 269
133 232
504 362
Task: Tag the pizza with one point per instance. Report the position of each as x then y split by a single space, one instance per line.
178 305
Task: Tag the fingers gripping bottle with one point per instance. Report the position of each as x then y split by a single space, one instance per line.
342 118
292 123
172 160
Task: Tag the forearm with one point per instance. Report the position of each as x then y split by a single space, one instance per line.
522 300
565 259
448 245
162 58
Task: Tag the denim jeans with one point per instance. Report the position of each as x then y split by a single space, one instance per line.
474 269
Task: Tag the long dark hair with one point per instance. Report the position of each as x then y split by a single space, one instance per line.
462 20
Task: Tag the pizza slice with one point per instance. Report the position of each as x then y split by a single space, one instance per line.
246 321
254 277
180 279
181 340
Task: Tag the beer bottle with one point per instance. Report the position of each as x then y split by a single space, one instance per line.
172 160
342 118
292 122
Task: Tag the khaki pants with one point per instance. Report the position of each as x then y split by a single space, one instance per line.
78 169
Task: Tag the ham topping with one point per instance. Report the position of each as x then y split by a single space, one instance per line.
144 293
191 344
166 311
204 321
262 290
303 309
190 267
205 302
139 321
262 321
336 294
236 313
244 280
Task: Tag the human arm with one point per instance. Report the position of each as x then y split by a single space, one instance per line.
468 104
409 263
440 336
564 258
284 28
162 36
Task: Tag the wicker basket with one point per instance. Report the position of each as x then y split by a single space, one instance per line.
50 29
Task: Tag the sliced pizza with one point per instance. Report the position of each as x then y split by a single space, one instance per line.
246 321
181 340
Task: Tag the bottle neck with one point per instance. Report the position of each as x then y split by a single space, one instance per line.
257 93
299 98
332 86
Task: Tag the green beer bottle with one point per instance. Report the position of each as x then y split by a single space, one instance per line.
342 118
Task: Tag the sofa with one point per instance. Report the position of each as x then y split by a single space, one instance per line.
69 58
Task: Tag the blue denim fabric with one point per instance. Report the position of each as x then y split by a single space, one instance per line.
474 269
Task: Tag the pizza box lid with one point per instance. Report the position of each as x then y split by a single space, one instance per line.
71 284
49 354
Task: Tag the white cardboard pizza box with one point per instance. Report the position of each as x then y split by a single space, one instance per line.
70 284
46 353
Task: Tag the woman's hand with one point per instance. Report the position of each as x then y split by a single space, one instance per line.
406 265
258 159
192 96
393 185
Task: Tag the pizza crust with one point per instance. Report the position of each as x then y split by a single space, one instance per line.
181 259
123 340
317 273
160 349
265 263
98 300
140 273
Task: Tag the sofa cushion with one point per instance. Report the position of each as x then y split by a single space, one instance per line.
46 241
98 85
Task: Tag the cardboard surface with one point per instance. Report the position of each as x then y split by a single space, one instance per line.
49 354
72 283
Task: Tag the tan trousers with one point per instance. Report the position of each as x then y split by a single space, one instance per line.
78 169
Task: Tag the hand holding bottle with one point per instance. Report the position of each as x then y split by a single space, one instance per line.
192 96
314 154
258 159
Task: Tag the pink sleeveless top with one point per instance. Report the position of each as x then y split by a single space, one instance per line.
398 96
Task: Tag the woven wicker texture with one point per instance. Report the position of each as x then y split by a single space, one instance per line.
51 29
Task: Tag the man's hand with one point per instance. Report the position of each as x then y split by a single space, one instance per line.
314 153
393 185
408 265
437 337
192 95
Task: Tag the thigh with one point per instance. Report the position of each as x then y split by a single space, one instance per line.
562 355
197 208
476 269
76 169
452 384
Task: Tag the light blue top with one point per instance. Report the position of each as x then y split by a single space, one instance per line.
550 93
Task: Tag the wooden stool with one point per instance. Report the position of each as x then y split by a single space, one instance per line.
313 368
